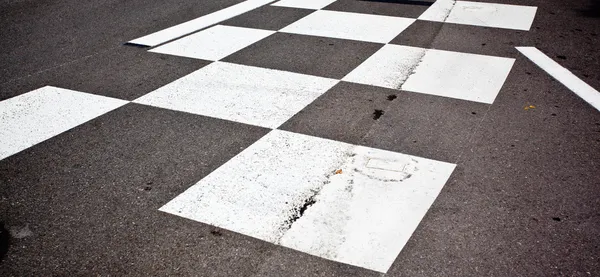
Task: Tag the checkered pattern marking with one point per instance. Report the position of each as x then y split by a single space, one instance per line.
337 200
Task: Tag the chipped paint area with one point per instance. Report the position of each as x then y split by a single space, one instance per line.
348 203
365 216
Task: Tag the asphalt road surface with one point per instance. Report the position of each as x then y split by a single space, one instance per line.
300 138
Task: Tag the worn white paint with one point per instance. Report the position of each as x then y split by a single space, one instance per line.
438 11
38 115
457 75
563 75
481 14
199 23
389 67
363 216
246 94
354 26
304 4
213 43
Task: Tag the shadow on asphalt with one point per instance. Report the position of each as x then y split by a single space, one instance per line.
593 9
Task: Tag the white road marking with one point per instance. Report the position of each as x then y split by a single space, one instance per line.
563 75
213 43
492 15
199 23
481 14
457 75
38 115
438 11
355 26
283 189
304 4
464 76
389 67
246 94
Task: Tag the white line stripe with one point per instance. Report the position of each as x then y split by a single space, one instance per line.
199 23
563 75
323 197
38 115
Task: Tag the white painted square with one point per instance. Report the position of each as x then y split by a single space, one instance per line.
354 26
389 67
38 115
464 76
457 75
304 4
438 11
246 94
288 189
482 14
213 43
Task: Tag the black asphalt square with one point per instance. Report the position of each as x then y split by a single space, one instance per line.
103 75
125 73
320 56
268 18
464 38
411 123
399 8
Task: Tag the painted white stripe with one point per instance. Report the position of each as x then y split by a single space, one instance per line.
345 25
304 4
457 75
481 14
194 25
284 189
213 43
563 75
246 94
38 115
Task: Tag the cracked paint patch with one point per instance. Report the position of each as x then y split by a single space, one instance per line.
343 202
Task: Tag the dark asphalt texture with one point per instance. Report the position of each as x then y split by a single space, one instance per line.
524 199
